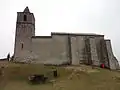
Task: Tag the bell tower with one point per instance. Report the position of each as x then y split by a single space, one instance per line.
25 29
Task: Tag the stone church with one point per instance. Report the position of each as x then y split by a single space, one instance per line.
60 48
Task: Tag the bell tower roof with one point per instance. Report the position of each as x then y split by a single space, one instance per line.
26 9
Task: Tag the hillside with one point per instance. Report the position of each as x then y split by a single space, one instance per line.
70 78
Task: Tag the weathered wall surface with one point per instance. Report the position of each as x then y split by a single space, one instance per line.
60 48
104 53
87 51
50 50
25 29
112 60
74 51
30 20
30 17
81 49
23 41
101 50
116 63
93 49
99 47
84 50
41 49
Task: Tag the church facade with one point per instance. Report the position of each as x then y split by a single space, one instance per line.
60 48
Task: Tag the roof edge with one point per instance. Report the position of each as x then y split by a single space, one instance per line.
76 34
41 36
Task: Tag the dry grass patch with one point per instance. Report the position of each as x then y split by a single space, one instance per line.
70 78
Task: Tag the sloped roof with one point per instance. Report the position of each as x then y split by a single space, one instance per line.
26 9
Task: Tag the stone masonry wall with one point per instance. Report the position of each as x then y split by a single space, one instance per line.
74 51
93 49
105 59
87 51
99 48
25 29
113 64
50 50
23 41
41 49
81 48
60 48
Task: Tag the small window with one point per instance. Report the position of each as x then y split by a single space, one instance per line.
25 18
22 46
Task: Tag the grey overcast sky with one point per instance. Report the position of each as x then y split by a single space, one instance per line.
83 16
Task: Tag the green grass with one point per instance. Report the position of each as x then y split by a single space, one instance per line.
15 78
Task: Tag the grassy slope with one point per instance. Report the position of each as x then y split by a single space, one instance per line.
15 78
